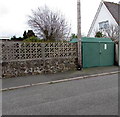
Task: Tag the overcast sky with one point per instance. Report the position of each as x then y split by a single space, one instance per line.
14 14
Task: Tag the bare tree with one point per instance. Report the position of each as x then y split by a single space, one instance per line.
49 25
112 32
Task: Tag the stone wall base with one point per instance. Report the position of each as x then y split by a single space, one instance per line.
34 67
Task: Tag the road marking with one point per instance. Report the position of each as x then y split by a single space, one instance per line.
58 81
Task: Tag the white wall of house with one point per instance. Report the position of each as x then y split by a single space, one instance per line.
103 15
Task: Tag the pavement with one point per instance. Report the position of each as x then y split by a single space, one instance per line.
27 80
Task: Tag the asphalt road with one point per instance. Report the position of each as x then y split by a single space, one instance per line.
93 96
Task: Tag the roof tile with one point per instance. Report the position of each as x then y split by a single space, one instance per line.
114 9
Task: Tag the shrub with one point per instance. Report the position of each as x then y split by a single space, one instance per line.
32 39
99 34
36 39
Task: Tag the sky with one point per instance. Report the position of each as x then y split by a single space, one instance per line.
14 14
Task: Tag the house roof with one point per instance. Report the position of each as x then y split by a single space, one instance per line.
114 9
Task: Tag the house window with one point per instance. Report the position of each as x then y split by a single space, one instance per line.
103 25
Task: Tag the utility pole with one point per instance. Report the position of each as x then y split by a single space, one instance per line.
79 34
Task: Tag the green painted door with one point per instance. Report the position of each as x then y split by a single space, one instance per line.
97 54
106 54
90 55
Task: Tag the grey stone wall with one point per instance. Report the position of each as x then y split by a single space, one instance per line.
33 67
20 59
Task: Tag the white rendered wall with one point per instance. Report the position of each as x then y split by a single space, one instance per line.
103 15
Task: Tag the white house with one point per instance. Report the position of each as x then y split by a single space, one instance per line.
107 14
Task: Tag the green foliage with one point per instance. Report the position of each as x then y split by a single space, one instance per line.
14 38
99 34
36 39
25 35
32 39
28 34
73 36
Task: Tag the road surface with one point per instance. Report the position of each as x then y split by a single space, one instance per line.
92 96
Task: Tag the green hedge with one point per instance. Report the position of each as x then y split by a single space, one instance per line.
36 39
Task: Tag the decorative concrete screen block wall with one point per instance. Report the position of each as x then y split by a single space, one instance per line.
19 59
0 59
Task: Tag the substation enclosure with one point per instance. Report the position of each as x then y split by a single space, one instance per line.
97 52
